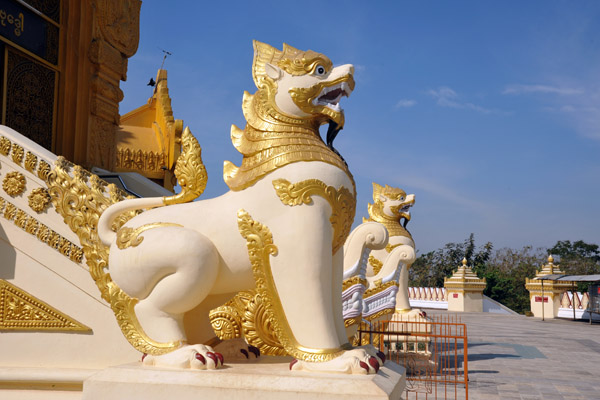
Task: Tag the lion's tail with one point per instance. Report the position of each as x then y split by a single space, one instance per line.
108 217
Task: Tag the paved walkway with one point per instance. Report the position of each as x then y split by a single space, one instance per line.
518 357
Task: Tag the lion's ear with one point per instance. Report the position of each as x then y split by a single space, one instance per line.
273 71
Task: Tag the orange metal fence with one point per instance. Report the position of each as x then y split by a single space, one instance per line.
433 351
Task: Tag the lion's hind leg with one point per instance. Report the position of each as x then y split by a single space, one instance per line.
171 271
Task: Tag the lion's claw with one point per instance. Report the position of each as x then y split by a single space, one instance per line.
381 356
201 358
254 350
294 361
374 363
364 365
213 357
244 352
144 356
220 357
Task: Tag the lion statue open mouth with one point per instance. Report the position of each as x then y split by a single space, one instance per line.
278 232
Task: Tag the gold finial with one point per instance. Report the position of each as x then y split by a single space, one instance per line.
464 262
550 259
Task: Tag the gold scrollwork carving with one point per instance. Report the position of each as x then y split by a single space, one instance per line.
258 328
130 237
14 183
376 264
80 198
39 200
20 310
342 202
259 241
189 170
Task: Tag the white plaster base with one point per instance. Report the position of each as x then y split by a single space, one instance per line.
265 380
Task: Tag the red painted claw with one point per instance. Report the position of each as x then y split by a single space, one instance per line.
292 363
254 350
213 357
201 358
220 357
144 356
381 356
244 352
364 365
374 363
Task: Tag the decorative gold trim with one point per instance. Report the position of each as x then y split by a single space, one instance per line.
376 264
80 199
130 237
35 228
14 183
189 170
39 199
260 248
379 314
148 162
20 310
342 202
379 288
355 280
43 168
258 328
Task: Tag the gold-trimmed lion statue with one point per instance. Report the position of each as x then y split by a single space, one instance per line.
164 263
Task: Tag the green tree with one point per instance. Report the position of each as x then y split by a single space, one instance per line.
430 269
577 258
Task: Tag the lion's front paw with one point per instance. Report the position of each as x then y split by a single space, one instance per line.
360 360
197 356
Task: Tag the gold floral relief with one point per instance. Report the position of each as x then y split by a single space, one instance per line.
17 153
43 170
14 183
5 146
39 200
20 310
30 162
10 211
226 322
342 202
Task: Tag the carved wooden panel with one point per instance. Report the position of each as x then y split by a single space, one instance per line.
30 98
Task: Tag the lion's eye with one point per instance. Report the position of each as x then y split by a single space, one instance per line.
402 198
320 70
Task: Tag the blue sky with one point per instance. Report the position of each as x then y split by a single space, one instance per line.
489 112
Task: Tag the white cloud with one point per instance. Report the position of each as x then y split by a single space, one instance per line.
526 89
446 97
405 103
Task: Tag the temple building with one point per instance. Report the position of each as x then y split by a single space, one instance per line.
62 62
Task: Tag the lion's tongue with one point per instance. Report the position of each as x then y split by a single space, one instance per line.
330 96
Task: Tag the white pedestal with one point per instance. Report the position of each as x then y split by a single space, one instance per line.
265 380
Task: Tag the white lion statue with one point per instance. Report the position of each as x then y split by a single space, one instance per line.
278 232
